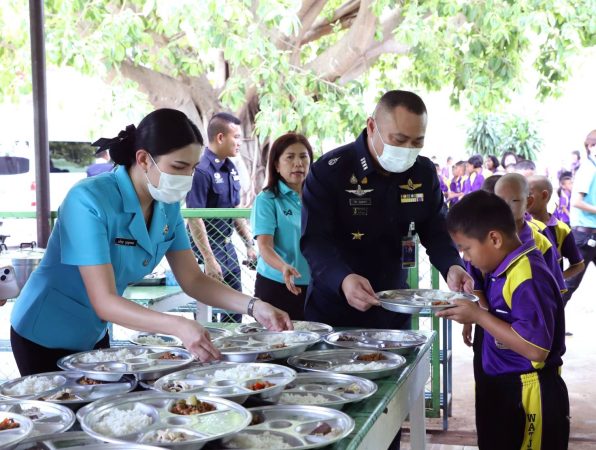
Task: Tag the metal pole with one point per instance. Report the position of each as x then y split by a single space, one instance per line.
40 121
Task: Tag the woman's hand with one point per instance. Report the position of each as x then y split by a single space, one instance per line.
197 341
289 273
270 317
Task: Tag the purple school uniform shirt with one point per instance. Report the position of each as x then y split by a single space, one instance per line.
531 234
455 186
564 240
522 292
564 200
473 182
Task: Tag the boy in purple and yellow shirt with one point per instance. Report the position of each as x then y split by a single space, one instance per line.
557 232
521 399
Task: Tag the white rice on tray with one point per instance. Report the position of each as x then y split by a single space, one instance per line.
306 326
359 367
119 422
32 385
153 340
265 441
287 339
105 356
241 373
306 399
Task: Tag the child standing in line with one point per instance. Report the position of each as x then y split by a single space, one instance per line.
514 189
564 193
521 399
557 232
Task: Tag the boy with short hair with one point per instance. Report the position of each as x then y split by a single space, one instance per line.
521 399
456 186
514 189
557 232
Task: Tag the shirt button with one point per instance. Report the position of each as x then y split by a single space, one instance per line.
146 262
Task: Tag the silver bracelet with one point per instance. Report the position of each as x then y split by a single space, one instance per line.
251 306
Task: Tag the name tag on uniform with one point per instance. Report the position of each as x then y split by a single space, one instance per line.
362 201
411 198
235 177
126 242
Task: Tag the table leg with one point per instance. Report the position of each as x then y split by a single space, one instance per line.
417 423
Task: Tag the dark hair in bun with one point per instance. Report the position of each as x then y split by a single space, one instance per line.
160 132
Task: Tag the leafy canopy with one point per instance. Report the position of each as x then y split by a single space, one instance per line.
480 49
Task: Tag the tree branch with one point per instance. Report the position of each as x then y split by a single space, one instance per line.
387 44
341 57
345 15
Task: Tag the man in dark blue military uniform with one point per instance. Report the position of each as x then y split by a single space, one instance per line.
216 184
359 202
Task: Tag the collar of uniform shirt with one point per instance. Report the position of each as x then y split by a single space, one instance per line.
215 160
510 259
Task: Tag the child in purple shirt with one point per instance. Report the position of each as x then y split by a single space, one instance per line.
521 399
557 232
564 192
475 177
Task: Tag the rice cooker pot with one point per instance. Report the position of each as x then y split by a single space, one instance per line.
24 261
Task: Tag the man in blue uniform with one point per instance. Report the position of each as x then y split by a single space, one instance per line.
216 184
359 203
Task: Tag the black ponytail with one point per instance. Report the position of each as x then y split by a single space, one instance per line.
159 133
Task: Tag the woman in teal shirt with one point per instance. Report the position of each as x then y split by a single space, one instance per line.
282 271
114 229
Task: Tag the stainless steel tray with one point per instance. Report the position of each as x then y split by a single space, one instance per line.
226 419
299 325
396 341
160 340
70 380
216 332
332 360
48 418
155 339
142 361
332 390
412 301
293 425
264 346
77 440
229 380
10 438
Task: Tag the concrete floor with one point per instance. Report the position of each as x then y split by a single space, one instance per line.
579 364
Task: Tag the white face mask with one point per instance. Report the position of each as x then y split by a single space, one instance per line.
171 188
395 159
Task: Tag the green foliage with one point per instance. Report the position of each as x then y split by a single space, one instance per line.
521 137
485 135
494 134
480 49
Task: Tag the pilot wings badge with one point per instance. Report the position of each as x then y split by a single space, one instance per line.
359 192
410 186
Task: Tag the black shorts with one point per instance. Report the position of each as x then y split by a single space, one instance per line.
523 411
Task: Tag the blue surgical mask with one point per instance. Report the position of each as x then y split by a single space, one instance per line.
395 159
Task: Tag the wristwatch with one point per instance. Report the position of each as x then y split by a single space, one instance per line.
251 306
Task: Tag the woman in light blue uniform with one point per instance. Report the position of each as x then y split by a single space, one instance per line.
114 229
282 271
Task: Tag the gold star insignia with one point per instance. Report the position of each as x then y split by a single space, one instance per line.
364 180
357 236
